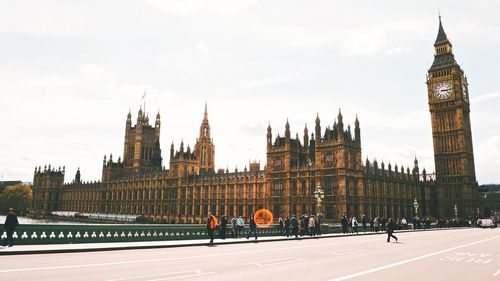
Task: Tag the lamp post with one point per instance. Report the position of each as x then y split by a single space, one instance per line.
415 205
319 195
456 211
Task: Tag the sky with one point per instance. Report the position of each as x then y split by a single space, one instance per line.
70 71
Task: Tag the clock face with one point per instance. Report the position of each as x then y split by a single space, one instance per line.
442 90
465 92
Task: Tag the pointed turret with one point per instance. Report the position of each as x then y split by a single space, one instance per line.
317 129
441 36
306 136
269 135
357 131
204 149
77 176
443 49
287 130
129 119
340 124
157 123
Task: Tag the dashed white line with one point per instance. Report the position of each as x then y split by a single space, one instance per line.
196 271
277 262
496 273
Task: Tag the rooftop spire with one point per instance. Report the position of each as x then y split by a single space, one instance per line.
441 37
206 112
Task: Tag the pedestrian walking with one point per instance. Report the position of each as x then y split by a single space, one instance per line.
294 225
349 225
222 227
311 226
372 228
363 223
211 226
281 225
317 222
9 227
376 224
241 226
234 226
252 227
287 226
404 223
390 230
343 224
354 225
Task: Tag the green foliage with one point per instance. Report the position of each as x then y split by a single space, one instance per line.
17 196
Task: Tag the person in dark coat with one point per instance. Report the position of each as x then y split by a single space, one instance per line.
343 224
363 223
287 226
294 225
10 226
390 230
223 225
253 227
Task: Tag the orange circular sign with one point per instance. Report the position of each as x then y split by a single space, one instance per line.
263 217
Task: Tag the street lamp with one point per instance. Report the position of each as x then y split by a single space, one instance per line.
456 211
319 195
415 205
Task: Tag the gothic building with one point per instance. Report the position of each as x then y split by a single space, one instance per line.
329 157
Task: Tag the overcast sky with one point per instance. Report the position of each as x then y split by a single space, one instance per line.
71 70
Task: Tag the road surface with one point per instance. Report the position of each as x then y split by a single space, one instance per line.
464 254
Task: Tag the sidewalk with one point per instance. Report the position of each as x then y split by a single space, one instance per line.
113 246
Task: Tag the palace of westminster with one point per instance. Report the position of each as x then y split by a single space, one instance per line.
330 157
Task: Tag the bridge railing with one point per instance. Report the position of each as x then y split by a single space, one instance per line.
104 233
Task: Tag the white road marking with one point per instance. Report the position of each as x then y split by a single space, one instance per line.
277 262
350 276
343 252
182 276
497 273
155 275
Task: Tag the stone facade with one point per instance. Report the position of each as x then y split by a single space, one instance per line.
330 158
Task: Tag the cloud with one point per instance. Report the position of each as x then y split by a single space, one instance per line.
403 49
187 7
93 71
489 150
364 42
272 80
202 47
486 97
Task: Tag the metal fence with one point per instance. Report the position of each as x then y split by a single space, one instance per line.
103 233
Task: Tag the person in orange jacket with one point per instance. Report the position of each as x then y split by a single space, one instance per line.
211 226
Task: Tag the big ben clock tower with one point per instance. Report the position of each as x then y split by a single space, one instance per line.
451 132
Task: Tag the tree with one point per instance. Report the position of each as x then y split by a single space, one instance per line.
17 196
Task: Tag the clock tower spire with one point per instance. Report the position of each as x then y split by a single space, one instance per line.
448 97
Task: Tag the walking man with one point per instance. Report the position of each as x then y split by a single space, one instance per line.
223 225
234 225
282 225
343 223
312 226
287 226
10 226
211 225
390 229
363 222
252 227
294 225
